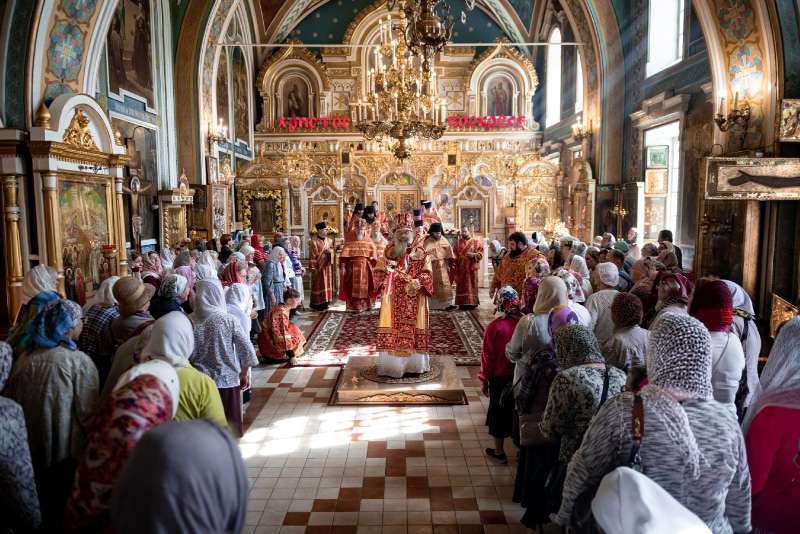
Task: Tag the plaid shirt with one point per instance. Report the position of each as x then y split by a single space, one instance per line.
95 320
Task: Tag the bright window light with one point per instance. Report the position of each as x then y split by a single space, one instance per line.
664 35
578 84
553 86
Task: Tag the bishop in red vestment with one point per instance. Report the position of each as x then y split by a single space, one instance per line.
356 262
469 253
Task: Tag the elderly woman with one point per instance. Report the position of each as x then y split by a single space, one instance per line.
279 339
38 289
172 292
606 280
535 270
222 350
188 273
183 259
98 313
145 396
239 301
496 252
692 446
497 372
273 280
182 477
56 384
712 305
575 296
235 272
744 326
627 347
772 432
670 294
19 499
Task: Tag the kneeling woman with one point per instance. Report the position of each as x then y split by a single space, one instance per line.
280 339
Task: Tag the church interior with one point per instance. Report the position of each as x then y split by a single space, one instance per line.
138 129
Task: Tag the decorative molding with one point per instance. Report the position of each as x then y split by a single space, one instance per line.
299 53
78 132
364 13
503 50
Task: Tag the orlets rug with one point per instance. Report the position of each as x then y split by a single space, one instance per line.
339 335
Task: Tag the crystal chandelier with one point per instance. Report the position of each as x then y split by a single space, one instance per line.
403 102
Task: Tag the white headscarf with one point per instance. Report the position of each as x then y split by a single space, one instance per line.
103 295
208 299
171 340
780 379
40 278
207 258
205 272
275 253
159 369
167 259
239 299
741 299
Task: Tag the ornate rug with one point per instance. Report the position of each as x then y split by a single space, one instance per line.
339 335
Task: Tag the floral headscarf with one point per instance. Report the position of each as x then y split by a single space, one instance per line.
151 265
560 316
576 345
6 359
49 329
508 301
172 285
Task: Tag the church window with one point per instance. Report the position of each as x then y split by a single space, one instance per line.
553 82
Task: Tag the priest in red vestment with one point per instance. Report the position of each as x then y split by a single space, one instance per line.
356 262
353 222
469 253
320 262
511 271
403 328
429 215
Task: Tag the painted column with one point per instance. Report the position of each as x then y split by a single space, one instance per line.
52 226
119 215
13 245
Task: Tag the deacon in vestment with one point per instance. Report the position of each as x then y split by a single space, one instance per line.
511 271
440 253
353 222
381 262
355 263
320 262
403 328
468 253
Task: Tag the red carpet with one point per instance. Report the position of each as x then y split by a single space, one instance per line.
339 335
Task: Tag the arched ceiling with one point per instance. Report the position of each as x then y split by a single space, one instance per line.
325 21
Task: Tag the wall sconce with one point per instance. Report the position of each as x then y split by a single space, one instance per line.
737 116
581 132
218 134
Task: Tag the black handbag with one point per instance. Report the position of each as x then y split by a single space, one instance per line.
554 484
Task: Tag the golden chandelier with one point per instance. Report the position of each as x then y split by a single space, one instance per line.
403 102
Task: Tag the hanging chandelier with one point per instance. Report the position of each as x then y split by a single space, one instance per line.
428 28
403 101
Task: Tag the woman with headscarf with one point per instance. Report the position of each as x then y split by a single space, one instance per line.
712 306
670 294
209 260
497 371
691 445
127 355
235 272
537 456
183 259
496 252
239 301
744 326
167 486
575 296
577 390
98 313
221 349
167 259
19 499
535 270
606 280
145 397
772 433
297 267
577 263
152 269
255 242
643 272
38 290
188 273
627 347
172 292
56 384
273 280
171 340
279 339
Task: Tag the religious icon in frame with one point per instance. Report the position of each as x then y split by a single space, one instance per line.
657 157
472 217
655 181
212 169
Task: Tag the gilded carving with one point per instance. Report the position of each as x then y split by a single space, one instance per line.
78 132
295 52
500 51
790 121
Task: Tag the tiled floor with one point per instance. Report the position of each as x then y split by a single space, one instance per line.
370 470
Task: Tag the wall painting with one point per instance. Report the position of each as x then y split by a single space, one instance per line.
130 51
241 109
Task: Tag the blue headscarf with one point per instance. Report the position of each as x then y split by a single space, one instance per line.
50 327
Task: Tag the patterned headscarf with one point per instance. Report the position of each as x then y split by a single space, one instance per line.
41 278
574 287
167 259
508 301
678 293
187 272
678 363
50 327
172 285
539 265
560 316
151 265
626 310
230 274
6 359
576 345
206 272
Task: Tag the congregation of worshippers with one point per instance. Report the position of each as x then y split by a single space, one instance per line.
604 360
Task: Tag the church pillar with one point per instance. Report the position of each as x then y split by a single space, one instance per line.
119 223
13 245
52 226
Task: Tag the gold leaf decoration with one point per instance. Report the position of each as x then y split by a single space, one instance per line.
78 133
